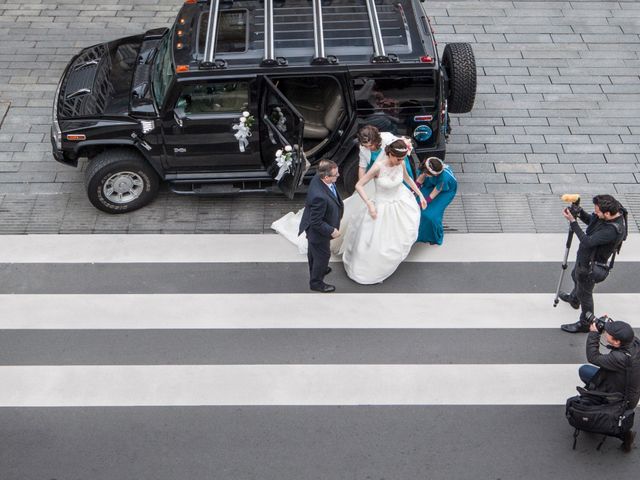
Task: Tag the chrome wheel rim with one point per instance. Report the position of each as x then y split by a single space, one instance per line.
123 187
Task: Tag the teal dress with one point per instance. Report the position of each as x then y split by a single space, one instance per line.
431 228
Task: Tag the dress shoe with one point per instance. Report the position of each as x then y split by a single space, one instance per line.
328 271
577 327
565 297
324 288
627 441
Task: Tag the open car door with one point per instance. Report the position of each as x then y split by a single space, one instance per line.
281 128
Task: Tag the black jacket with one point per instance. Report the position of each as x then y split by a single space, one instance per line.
612 377
600 235
322 211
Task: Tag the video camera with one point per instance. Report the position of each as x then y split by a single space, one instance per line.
599 322
574 200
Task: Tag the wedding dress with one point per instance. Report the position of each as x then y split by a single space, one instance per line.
374 248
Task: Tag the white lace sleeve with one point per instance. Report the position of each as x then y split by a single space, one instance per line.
363 157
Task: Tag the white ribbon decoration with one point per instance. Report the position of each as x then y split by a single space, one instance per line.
243 132
284 162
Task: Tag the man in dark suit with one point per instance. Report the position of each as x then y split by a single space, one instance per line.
321 222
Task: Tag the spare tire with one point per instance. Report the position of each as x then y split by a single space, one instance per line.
460 65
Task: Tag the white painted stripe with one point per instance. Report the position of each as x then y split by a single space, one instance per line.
173 385
272 248
273 311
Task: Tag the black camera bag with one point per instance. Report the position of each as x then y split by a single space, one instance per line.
600 271
600 412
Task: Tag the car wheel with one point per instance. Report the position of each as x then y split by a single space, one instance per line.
120 181
460 65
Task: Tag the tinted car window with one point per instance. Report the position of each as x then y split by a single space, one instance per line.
214 98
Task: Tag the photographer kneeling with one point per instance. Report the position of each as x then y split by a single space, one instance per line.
606 229
610 371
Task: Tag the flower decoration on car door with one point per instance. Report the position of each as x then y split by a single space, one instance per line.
243 127
284 159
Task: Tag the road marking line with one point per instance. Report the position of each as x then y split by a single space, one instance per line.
276 311
503 247
173 385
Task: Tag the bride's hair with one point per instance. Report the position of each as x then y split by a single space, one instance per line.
397 148
369 135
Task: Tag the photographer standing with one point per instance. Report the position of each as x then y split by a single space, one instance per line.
610 371
606 229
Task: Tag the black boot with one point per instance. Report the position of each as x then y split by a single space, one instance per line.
578 327
573 301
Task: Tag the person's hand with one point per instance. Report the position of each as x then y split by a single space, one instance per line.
423 202
567 214
372 210
335 233
592 327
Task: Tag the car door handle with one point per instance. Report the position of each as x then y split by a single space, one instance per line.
178 120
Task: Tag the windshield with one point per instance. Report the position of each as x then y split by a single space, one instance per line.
162 72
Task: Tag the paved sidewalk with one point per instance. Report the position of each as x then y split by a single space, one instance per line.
558 110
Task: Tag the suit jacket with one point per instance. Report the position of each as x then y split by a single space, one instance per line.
322 211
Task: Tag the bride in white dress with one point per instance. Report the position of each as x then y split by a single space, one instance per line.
372 247
381 235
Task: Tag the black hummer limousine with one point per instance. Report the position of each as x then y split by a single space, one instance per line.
255 98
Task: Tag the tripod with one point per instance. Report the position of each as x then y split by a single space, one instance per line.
574 209
564 266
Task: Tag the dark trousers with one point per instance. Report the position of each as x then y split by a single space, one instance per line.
318 254
583 290
587 372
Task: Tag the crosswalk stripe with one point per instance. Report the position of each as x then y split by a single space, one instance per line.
183 385
272 248
291 311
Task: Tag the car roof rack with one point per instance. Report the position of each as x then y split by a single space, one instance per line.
319 57
379 54
210 60
269 59
363 15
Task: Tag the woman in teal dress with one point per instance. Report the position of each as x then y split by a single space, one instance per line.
372 142
438 185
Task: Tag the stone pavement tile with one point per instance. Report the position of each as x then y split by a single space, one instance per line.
481 213
606 168
16 211
546 212
518 188
518 168
454 217
588 189
514 213
79 217
214 215
469 188
477 168
567 178
47 214
558 168
517 178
